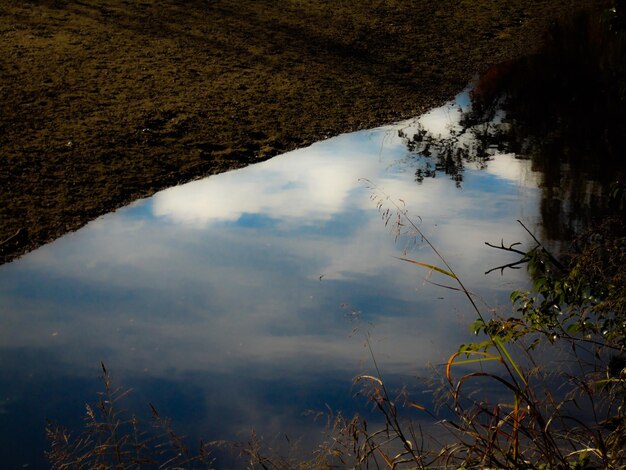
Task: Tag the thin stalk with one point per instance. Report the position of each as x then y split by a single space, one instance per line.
499 347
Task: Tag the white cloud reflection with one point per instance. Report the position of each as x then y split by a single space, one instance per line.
305 186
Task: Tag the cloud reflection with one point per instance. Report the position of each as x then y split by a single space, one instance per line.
306 186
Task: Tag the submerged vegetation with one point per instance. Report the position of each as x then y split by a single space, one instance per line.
543 386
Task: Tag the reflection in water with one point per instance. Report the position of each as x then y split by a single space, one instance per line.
563 108
220 301
450 148
566 105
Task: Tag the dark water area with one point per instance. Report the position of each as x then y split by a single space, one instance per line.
565 109
562 108
243 301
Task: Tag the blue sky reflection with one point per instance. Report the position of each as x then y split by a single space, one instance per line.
233 290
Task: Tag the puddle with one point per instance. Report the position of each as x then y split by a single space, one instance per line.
241 301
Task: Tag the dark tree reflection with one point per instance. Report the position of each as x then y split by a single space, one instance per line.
449 155
563 108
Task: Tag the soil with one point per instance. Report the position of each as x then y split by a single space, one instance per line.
106 101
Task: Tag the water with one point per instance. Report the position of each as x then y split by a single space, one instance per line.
243 300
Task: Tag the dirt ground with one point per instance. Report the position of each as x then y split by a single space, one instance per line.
106 101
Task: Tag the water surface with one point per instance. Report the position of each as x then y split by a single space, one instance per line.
242 300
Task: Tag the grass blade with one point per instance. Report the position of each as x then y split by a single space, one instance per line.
429 266
510 359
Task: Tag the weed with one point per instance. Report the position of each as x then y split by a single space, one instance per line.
573 417
112 438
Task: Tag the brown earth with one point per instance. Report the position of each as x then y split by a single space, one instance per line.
106 101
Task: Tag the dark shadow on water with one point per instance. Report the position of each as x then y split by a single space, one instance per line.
563 108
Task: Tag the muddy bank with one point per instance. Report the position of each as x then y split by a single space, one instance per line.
106 101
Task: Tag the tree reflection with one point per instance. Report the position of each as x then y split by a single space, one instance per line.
562 107
449 155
